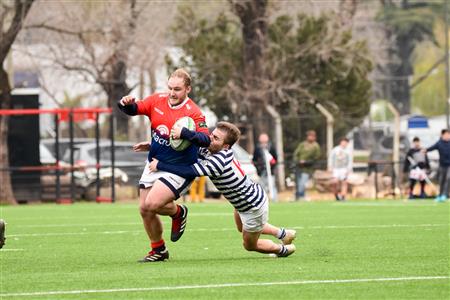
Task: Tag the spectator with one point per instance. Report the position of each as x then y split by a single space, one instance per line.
443 147
305 156
265 160
340 162
416 163
197 190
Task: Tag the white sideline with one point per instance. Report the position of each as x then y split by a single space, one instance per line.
223 285
8 249
197 214
228 229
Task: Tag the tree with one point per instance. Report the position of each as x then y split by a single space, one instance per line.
307 59
86 39
253 18
407 25
12 16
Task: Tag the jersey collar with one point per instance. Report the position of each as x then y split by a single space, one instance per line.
179 105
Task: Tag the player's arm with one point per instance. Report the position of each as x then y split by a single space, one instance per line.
201 137
197 138
142 147
213 166
183 171
131 107
128 105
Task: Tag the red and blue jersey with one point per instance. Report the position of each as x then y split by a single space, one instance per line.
162 117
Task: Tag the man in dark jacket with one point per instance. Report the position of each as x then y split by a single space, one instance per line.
443 147
416 164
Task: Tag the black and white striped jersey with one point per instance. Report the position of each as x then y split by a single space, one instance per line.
227 175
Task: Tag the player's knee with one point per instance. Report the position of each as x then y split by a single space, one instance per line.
249 246
148 207
153 206
143 210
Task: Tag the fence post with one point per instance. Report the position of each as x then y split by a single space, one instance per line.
58 174
97 155
113 179
396 144
72 163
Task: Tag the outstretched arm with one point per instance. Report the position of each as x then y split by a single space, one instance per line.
128 105
433 147
200 139
197 138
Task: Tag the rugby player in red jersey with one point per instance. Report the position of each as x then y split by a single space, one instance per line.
159 190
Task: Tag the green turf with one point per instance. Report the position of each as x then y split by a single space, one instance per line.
95 247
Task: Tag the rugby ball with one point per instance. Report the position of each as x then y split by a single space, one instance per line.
180 144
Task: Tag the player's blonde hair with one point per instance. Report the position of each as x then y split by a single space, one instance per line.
183 74
233 133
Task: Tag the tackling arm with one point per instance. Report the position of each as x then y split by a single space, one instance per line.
200 139
183 171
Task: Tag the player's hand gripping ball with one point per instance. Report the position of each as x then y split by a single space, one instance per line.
180 144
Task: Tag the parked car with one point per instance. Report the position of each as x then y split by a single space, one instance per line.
46 157
245 159
128 164
64 144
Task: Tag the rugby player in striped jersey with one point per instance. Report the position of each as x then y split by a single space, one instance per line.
248 198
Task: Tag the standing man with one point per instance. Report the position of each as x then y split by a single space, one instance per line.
159 190
340 162
265 161
443 147
248 198
305 156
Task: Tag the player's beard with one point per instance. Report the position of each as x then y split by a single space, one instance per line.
213 148
174 101
177 100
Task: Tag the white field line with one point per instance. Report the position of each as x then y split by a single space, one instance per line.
224 285
77 225
7 249
371 226
388 204
207 214
228 229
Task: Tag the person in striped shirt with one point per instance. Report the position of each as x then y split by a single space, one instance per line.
248 198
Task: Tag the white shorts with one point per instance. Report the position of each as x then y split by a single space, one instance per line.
418 174
179 185
255 219
340 174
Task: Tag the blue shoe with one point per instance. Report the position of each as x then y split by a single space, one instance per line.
440 198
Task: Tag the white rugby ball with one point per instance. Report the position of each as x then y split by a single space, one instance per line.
180 144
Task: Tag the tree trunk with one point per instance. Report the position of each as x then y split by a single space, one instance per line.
252 14
116 87
8 35
6 193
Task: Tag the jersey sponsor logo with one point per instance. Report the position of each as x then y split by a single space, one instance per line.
163 129
202 124
159 111
161 141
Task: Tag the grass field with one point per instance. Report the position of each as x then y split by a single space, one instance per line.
353 250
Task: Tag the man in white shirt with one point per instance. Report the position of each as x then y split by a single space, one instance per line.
340 162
